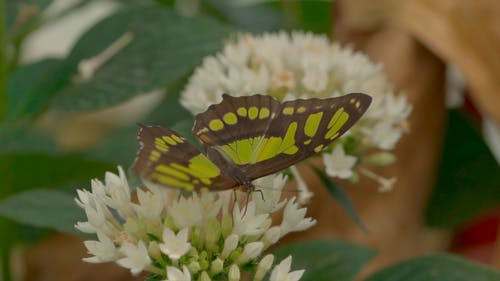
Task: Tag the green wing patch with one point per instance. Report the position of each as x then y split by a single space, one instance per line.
168 159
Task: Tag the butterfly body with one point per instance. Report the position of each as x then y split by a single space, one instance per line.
245 138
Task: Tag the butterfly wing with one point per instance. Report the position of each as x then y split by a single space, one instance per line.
304 127
286 134
166 158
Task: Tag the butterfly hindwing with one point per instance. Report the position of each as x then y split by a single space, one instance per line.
168 159
288 132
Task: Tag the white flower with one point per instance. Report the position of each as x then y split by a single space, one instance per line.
385 136
282 272
315 79
187 212
387 185
175 246
217 240
150 203
174 274
210 204
397 107
96 211
136 257
115 192
268 193
271 236
118 191
246 222
104 249
294 218
305 193
338 164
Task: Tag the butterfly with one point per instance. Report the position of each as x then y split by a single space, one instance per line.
244 138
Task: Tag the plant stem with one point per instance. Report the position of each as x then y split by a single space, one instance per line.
3 76
5 239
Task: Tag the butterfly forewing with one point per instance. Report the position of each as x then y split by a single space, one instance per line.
168 159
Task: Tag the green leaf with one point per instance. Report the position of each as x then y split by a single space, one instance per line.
255 18
338 193
16 138
469 178
310 15
326 260
22 12
170 111
315 16
21 171
436 267
164 47
31 87
122 145
43 208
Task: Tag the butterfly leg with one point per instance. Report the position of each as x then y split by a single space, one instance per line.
261 194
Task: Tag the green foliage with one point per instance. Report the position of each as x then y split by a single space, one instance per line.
43 208
436 267
28 100
326 260
20 13
164 47
254 18
28 170
469 178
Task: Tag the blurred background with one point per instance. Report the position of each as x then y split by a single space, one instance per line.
63 125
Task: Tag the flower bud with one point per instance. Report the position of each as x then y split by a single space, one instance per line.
380 158
229 245
226 225
194 267
217 266
234 273
204 276
263 267
251 251
213 234
154 250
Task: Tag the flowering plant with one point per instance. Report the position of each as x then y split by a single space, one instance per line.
196 237
302 65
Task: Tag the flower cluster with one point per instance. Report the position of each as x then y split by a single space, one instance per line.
205 236
302 65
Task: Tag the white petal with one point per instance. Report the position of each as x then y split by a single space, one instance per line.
174 274
175 246
136 257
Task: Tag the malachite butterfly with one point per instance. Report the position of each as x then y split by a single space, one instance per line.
244 138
